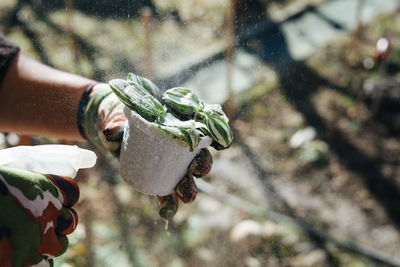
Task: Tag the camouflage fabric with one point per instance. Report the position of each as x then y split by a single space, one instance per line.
36 216
103 120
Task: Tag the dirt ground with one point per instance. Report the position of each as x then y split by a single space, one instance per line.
346 180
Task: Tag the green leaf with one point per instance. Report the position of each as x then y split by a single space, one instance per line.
143 96
171 120
185 130
138 99
182 100
188 135
215 110
217 128
145 83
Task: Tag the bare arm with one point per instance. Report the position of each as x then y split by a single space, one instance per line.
38 100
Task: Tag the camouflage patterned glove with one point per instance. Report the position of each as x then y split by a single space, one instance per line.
103 123
35 217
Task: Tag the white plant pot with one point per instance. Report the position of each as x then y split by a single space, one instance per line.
151 161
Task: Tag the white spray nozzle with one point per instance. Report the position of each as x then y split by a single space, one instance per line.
63 160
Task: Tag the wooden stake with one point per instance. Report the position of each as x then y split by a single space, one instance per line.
146 21
358 33
230 39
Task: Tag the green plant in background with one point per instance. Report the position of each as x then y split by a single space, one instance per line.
177 112
315 152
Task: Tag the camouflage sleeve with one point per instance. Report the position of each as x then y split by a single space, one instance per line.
36 214
103 120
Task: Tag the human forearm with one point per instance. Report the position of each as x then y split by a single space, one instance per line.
39 100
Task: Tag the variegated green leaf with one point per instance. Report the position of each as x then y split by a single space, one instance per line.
145 83
143 96
171 120
187 129
138 99
216 111
189 135
217 128
182 100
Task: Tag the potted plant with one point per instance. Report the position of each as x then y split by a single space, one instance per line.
165 132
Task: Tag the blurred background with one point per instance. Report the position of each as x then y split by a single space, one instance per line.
312 89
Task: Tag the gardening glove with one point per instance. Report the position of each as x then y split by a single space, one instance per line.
103 123
36 215
101 119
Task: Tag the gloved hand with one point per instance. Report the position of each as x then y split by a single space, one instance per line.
36 216
103 123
